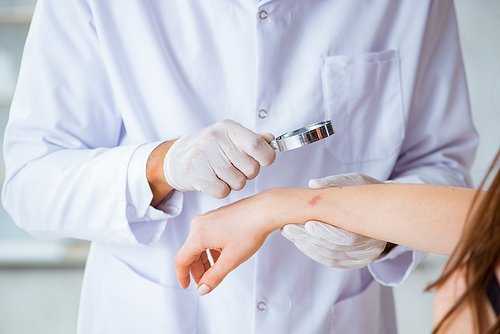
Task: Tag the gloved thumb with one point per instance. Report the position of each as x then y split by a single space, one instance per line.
331 181
342 180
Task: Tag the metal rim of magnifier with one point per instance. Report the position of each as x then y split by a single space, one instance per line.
303 136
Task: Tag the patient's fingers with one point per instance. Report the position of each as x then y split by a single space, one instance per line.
213 276
205 261
189 259
199 267
215 254
188 255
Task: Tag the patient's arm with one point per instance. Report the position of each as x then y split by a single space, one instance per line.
424 217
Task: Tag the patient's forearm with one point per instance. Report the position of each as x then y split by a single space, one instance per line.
424 217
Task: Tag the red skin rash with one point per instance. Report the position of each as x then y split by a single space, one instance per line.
314 200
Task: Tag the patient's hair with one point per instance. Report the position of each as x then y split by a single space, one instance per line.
477 254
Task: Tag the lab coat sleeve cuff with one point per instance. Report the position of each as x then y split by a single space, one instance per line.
396 266
146 222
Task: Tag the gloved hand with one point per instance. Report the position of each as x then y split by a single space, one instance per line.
217 159
332 246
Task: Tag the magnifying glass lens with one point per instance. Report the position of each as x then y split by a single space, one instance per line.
303 136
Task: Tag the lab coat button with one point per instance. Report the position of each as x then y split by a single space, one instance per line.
261 306
262 113
131 209
263 15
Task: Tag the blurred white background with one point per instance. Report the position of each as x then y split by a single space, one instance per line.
40 281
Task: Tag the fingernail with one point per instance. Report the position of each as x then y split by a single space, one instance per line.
203 289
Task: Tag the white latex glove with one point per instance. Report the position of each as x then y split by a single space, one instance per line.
332 246
217 159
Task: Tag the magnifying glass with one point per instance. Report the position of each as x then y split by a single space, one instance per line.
303 136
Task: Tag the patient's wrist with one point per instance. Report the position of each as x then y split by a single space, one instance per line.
292 205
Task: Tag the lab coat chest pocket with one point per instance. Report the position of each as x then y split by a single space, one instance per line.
130 303
362 97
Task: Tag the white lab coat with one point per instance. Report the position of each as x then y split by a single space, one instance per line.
102 82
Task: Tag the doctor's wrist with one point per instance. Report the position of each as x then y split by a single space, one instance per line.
155 175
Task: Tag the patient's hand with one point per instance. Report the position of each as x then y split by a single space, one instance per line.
237 231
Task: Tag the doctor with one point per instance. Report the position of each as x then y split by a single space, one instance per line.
107 86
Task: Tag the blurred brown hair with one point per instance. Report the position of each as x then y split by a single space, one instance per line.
477 254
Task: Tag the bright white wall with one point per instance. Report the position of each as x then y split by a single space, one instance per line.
479 24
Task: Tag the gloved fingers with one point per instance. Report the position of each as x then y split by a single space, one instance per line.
327 236
230 175
326 260
336 247
268 137
217 159
331 250
335 259
352 264
332 255
334 234
342 180
242 162
216 176
314 230
213 187
370 254
253 145
364 257
375 243
309 248
337 236
298 234
294 232
186 167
